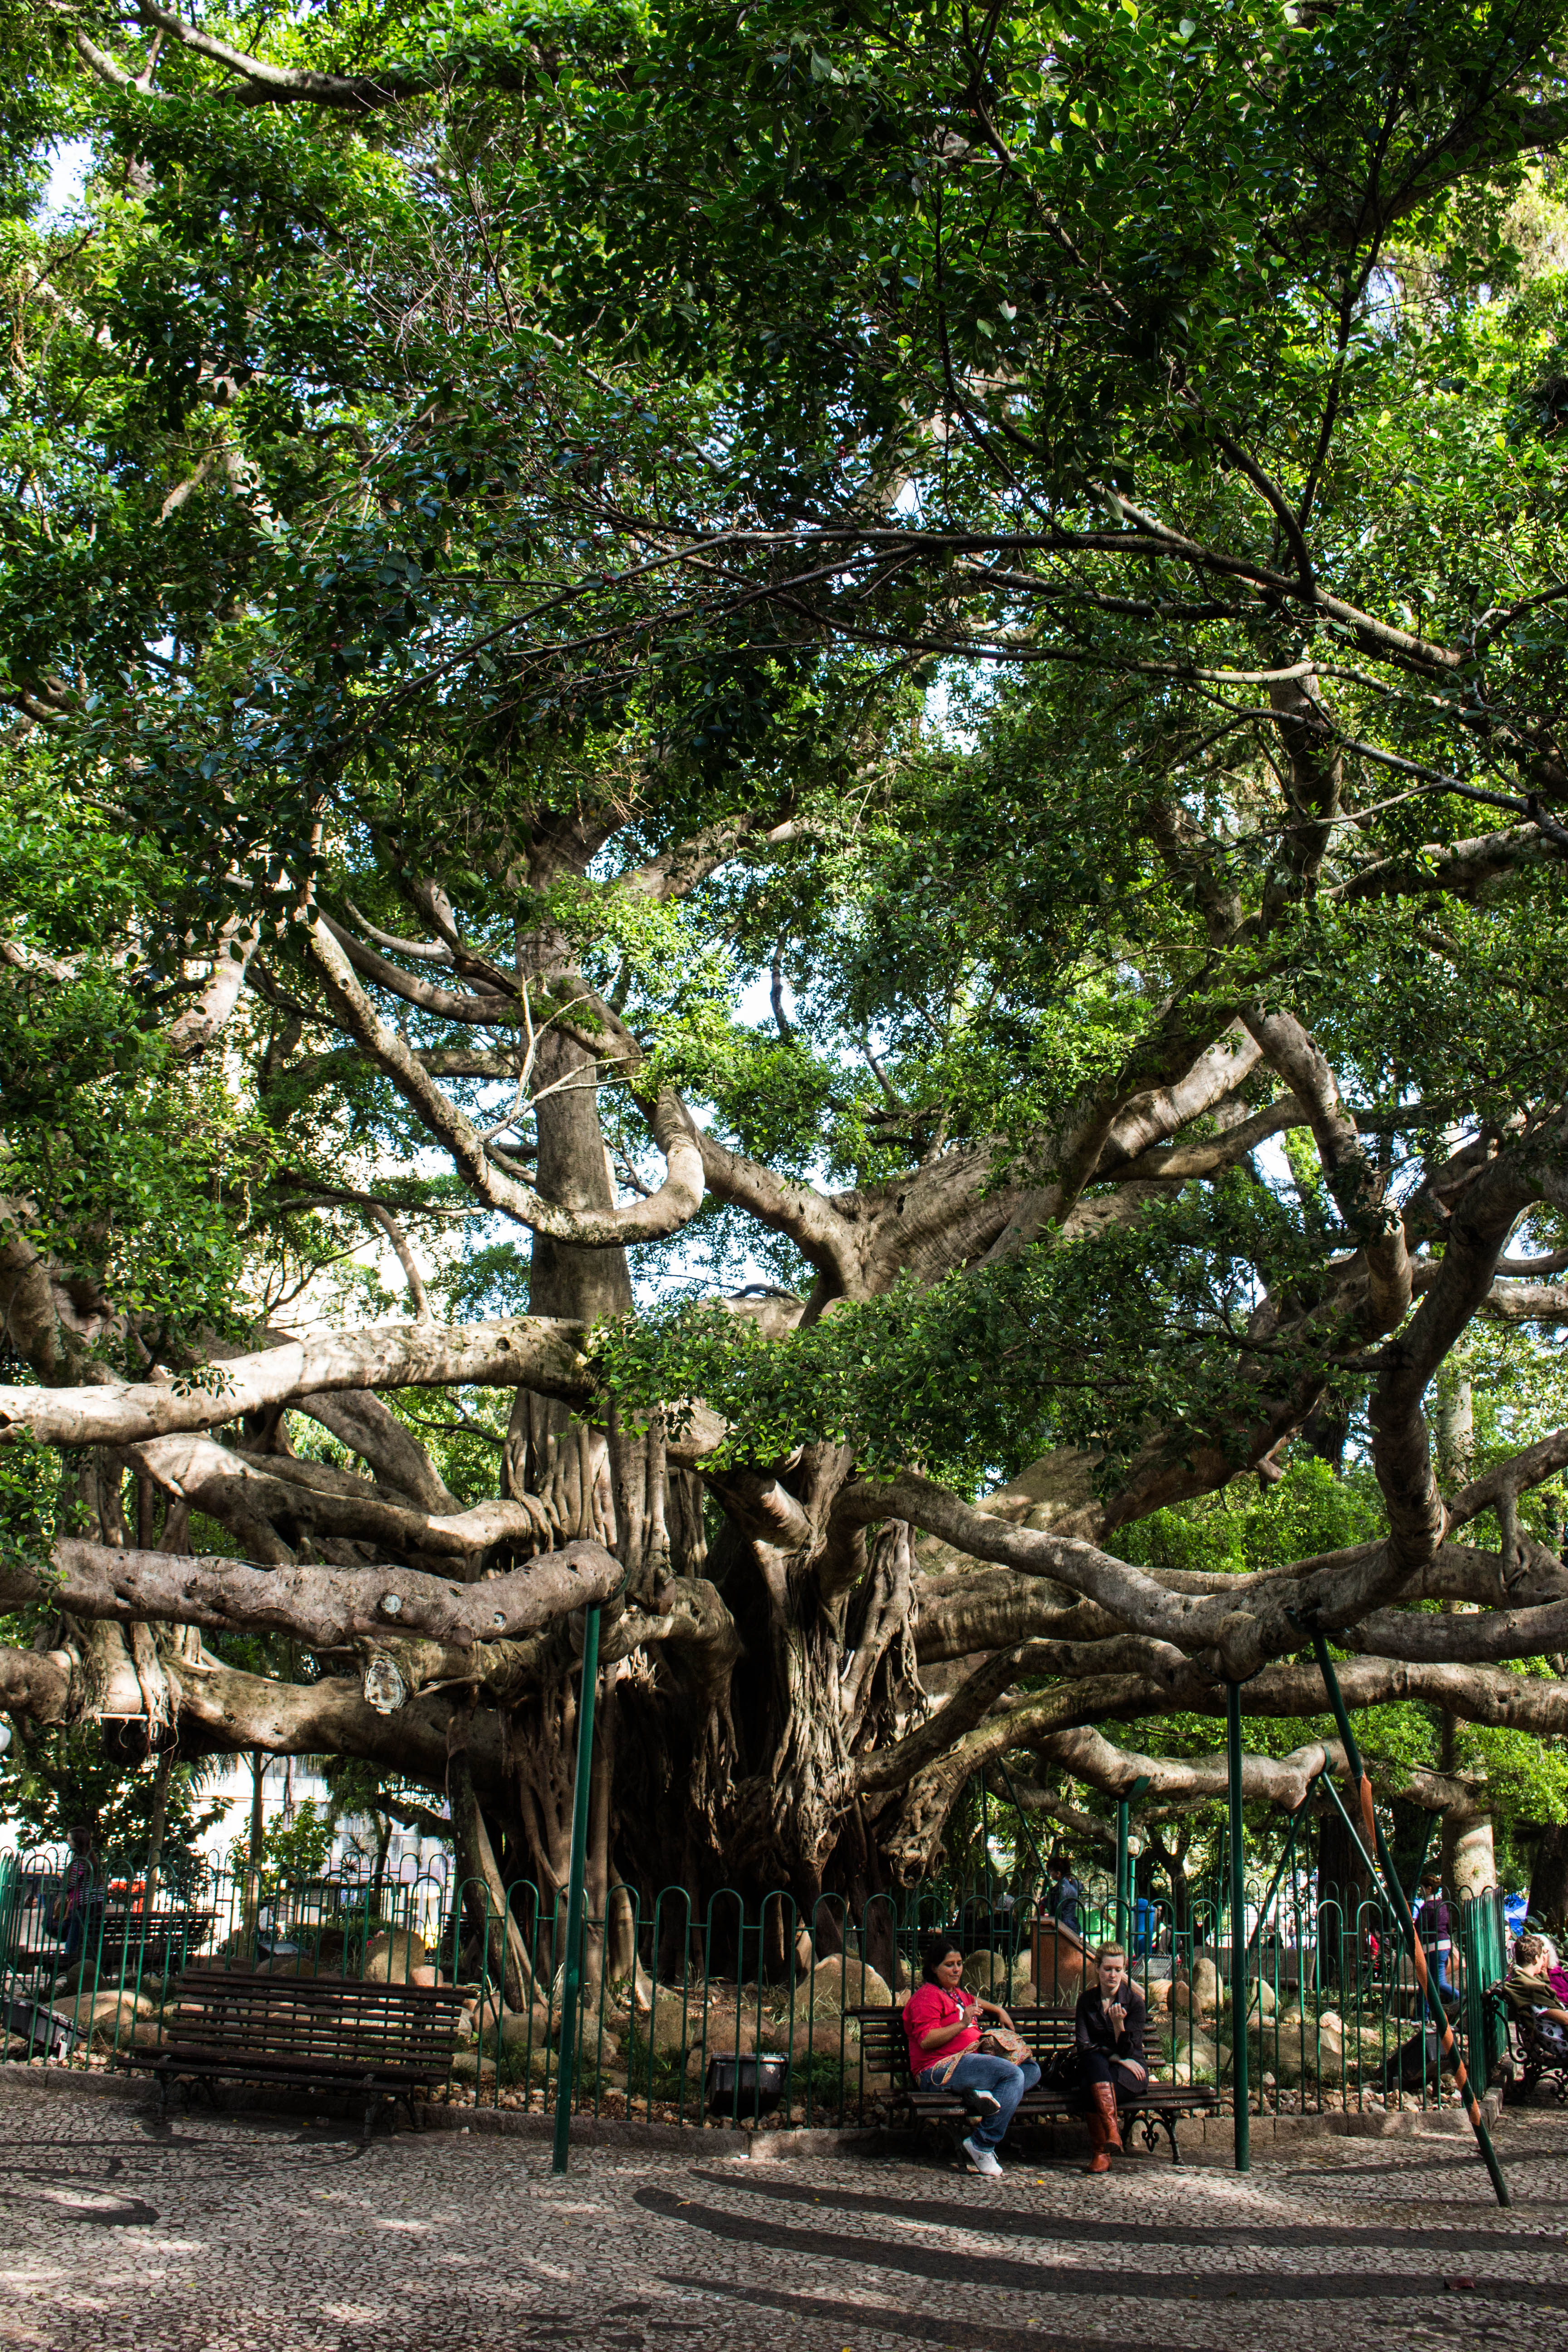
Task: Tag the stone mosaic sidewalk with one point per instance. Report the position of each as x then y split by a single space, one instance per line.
235 2233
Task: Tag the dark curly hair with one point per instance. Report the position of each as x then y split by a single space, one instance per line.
934 1949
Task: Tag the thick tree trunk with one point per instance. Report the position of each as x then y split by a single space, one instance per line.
1549 1876
155 1829
1411 1844
506 1957
1470 1866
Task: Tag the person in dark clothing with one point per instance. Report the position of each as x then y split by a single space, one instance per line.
1063 1900
1109 2022
75 1899
1436 1927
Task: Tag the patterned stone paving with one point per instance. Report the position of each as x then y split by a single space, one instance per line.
238 2233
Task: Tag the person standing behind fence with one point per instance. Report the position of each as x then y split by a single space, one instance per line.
1062 1902
1434 1925
942 2024
1109 2030
72 1901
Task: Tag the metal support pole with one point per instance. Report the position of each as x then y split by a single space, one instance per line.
572 1987
1391 1972
1240 2089
1286 1859
1401 1901
1122 1926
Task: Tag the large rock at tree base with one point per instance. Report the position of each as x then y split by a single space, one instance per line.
517 2033
828 2034
392 1955
114 2013
1200 1994
842 1982
1195 2061
1206 1983
672 2022
988 1973
469 2067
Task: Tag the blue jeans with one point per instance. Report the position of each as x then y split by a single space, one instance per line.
1438 1964
1005 2083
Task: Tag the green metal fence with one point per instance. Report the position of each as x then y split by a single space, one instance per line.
737 2012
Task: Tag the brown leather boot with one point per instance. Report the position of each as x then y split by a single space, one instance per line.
1105 2103
1099 2161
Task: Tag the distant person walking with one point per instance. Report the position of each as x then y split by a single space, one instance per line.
75 1897
1434 1925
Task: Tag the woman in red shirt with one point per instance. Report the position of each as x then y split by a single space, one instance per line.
941 2024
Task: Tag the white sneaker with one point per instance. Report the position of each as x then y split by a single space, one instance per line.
984 2159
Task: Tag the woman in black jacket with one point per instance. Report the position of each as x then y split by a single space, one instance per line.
1112 2014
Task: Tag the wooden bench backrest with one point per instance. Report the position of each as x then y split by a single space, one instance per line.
130 1931
250 2013
884 2046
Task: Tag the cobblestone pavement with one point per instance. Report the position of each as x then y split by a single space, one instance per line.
236 2233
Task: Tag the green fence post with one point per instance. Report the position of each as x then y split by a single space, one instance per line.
1239 2087
573 1985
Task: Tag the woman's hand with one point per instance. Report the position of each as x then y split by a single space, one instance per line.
1116 2017
996 2010
1132 2067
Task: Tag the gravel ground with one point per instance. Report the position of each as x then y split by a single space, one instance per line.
237 2233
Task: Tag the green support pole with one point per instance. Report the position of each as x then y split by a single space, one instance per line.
1122 1924
1240 2088
1286 1859
572 1987
1401 1901
1391 1974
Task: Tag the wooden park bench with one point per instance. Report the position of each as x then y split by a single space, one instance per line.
1535 2060
1157 2106
375 2041
151 1942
